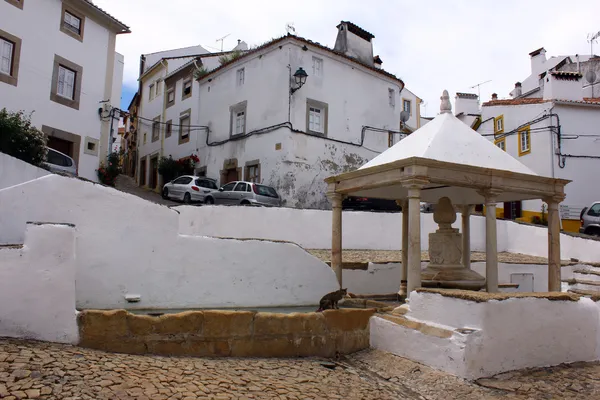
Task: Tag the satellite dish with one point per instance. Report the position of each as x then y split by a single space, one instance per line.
590 76
404 116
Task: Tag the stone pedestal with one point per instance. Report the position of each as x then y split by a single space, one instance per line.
446 269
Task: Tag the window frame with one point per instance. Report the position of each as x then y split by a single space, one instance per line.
68 9
232 187
526 130
16 3
168 128
185 81
249 165
240 77
324 107
499 118
187 114
233 110
71 95
151 92
90 140
78 70
315 61
155 129
13 77
170 91
409 102
501 141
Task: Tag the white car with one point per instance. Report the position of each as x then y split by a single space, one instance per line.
61 163
188 188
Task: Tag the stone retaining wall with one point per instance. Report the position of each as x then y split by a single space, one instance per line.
227 333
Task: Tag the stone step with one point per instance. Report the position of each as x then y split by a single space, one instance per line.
586 282
587 271
418 326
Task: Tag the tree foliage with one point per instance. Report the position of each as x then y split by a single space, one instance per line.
20 139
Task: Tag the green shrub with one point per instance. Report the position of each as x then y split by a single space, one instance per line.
107 173
18 138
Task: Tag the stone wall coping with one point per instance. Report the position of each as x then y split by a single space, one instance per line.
481 297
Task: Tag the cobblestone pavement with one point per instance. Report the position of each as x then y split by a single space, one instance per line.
127 184
30 370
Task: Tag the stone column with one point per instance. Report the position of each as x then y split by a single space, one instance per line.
554 266
491 241
404 266
336 234
466 232
414 237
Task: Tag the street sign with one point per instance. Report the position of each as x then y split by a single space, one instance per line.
569 212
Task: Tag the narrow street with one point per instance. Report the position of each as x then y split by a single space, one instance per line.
127 184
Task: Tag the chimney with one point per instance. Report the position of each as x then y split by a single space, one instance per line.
466 103
538 58
241 46
494 96
377 62
355 42
563 85
518 90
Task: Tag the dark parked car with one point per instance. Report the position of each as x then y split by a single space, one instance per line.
369 204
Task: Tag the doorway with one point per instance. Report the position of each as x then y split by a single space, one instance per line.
512 210
153 172
143 172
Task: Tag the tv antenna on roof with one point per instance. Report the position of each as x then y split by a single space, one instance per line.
593 37
289 28
478 88
222 39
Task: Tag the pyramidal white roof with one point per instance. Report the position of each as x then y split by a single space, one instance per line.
448 139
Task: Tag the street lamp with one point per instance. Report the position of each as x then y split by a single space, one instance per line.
300 78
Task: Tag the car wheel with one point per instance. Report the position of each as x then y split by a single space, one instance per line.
187 198
165 193
245 203
209 200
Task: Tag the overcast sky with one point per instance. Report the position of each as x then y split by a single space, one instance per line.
430 45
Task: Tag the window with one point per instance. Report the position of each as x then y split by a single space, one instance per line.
501 143
145 134
56 158
170 96
16 3
72 23
390 139
184 180
169 129
594 210
406 106
240 76
228 187
392 97
184 126
499 124
524 141
151 92
66 82
238 119
158 88
253 171
156 129
317 67
241 187
91 146
10 50
316 117
206 183
187 89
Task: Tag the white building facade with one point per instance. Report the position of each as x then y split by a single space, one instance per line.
65 72
248 119
551 126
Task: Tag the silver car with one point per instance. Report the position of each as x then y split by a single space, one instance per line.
188 188
590 220
60 162
246 194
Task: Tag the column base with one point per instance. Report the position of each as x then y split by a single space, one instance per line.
451 277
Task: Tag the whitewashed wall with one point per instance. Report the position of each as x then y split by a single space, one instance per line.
127 245
364 230
37 286
507 335
14 171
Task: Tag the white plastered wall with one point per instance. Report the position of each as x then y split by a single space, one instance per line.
37 286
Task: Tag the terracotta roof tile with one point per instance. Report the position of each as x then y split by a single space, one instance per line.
566 75
591 99
466 95
306 42
514 102
357 30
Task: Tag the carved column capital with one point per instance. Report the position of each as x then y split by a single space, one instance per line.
490 195
554 200
335 198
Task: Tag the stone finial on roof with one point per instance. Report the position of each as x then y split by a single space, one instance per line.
445 107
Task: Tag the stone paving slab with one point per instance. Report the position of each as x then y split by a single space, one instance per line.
388 256
30 370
